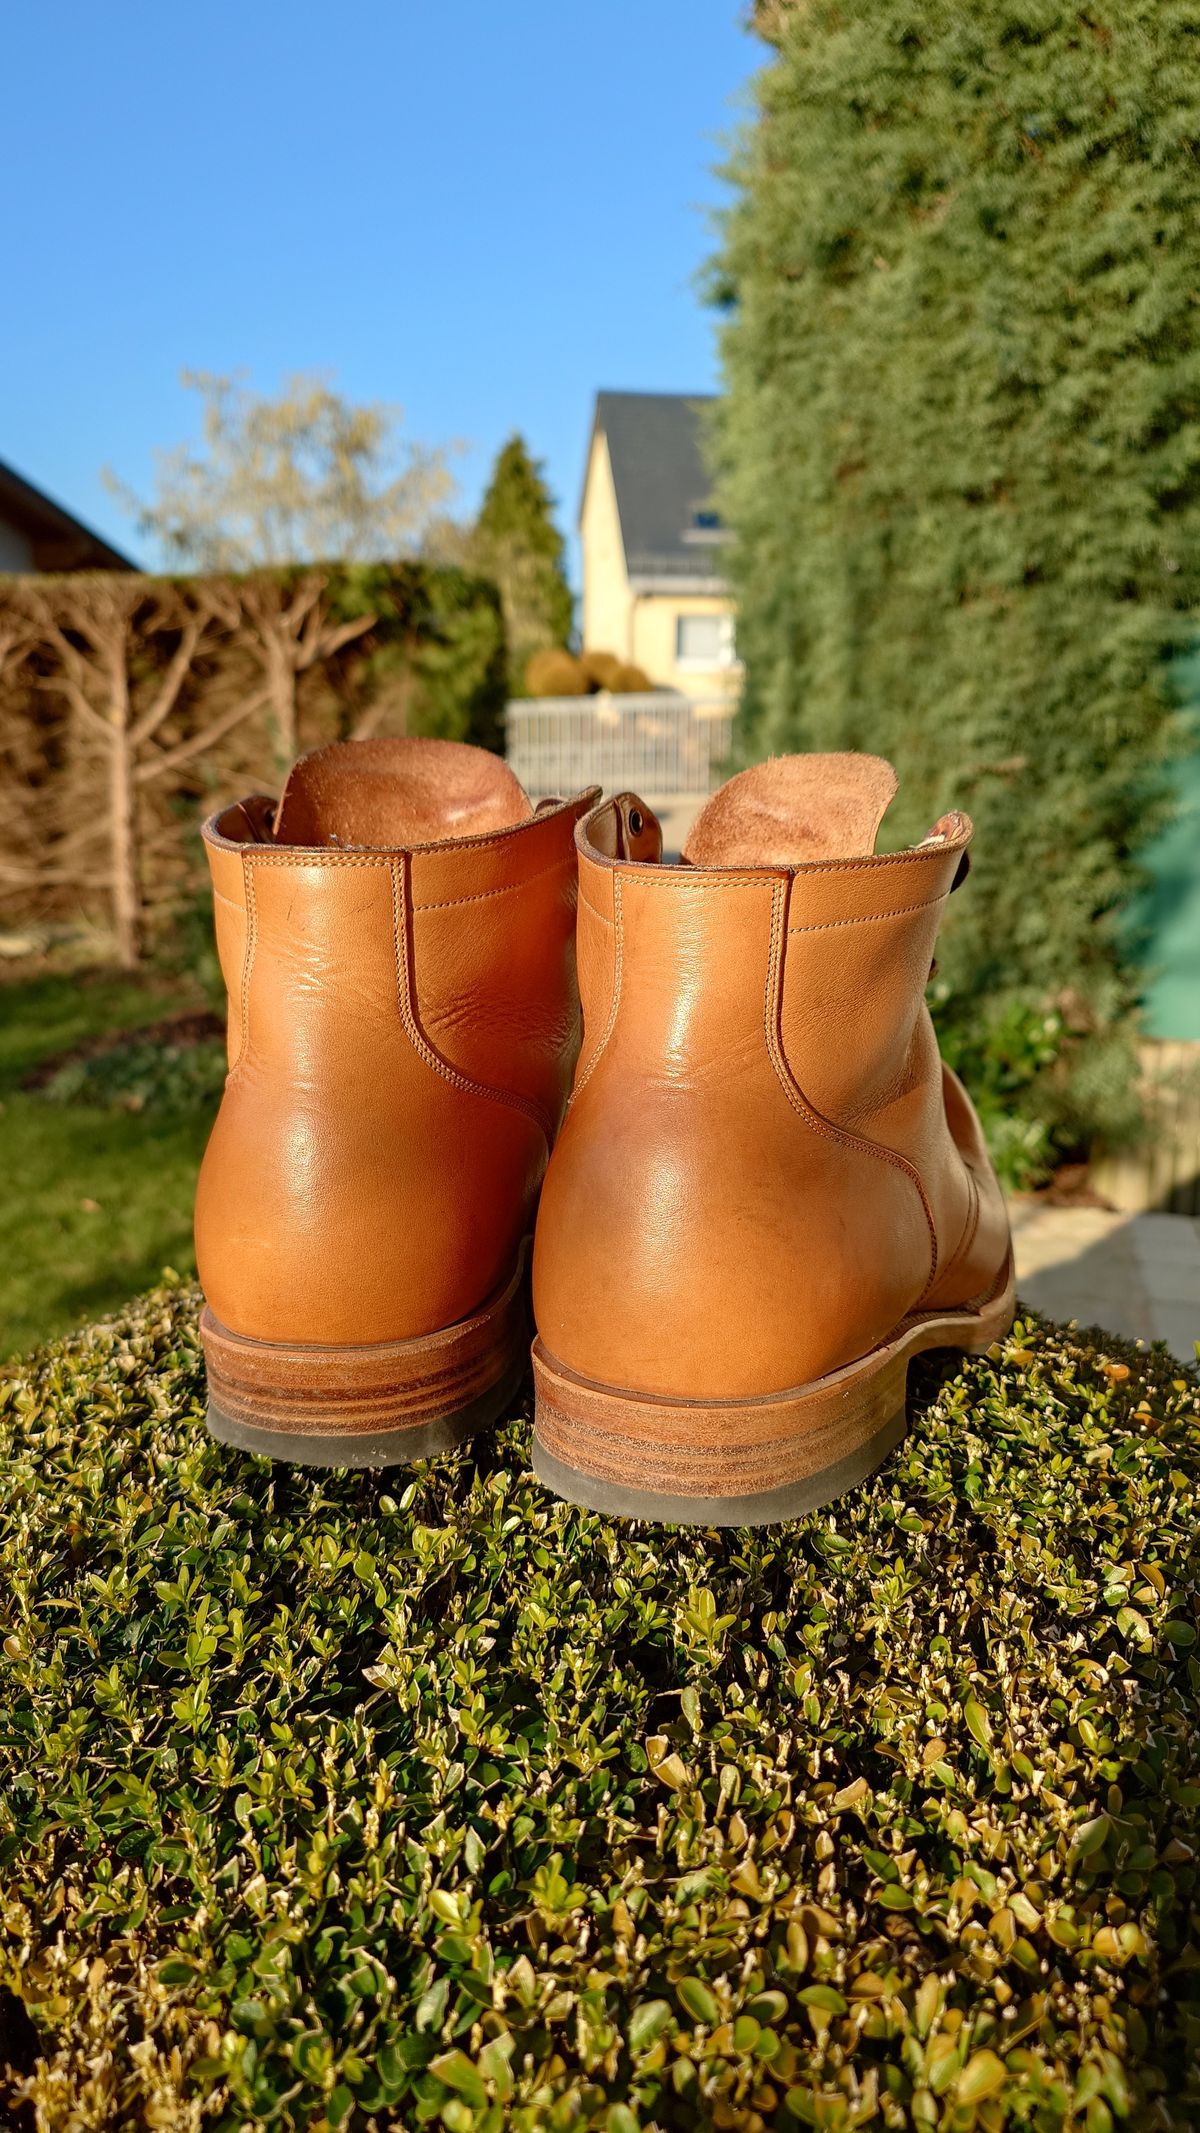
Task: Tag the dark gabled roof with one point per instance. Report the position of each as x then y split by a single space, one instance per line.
668 526
58 541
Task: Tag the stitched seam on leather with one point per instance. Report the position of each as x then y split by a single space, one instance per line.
504 837
684 878
247 959
618 963
917 855
305 855
504 888
773 1027
295 855
870 918
713 878
689 881
926 858
408 1015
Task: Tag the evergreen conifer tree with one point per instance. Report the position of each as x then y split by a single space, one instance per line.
960 458
517 543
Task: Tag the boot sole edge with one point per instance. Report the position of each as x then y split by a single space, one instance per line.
740 1462
382 1403
767 1507
402 1446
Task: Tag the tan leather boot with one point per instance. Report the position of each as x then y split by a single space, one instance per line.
769 1193
397 939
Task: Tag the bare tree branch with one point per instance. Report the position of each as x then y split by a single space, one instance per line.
115 689
199 743
164 702
297 478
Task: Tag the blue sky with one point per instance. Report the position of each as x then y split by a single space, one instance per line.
482 212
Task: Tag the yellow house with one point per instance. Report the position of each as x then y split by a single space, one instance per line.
653 589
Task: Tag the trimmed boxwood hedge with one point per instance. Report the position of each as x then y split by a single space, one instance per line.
418 1798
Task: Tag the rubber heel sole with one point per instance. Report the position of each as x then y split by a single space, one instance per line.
739 1462
387 1403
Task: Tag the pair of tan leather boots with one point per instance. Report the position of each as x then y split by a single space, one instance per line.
766 1196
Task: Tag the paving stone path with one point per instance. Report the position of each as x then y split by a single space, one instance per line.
1138 1275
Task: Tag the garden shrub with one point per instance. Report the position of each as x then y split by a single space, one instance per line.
418 1798
630 680
602 669
960 458
555 672
560 673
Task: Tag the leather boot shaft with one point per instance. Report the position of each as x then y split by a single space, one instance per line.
403 1025
765 1167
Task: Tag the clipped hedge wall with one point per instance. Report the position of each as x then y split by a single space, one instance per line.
960 456
420 1799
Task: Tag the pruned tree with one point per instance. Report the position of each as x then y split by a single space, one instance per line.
123 696
25 759
290 630
88 628
304 477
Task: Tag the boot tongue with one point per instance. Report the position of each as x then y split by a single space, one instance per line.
793 809
381 794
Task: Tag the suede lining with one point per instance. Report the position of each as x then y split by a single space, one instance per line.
792 810
385 793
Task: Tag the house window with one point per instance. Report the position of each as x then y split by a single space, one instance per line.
704 641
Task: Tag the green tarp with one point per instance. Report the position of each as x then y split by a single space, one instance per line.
1169 910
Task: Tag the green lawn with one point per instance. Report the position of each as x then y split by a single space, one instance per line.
97 1199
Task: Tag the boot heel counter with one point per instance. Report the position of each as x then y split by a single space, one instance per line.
350 1192
702 1231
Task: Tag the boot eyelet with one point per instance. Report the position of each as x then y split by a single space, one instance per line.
636 822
